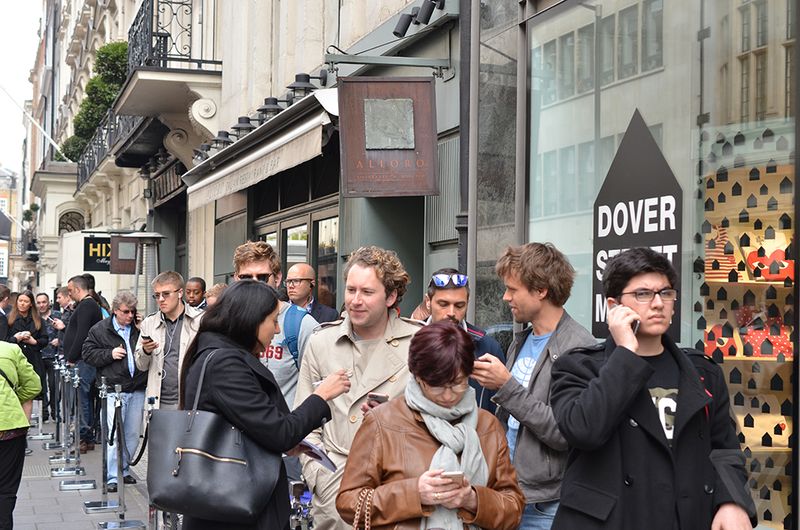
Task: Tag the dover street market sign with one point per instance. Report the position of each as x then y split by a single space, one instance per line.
639 205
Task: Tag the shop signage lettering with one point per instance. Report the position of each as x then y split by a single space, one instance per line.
97 254
639 205
387 127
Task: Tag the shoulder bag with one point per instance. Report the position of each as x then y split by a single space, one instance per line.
202 466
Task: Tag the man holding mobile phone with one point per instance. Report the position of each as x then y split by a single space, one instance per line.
538 280
48 355
649 423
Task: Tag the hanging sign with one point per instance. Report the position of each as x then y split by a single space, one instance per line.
639 205
96 254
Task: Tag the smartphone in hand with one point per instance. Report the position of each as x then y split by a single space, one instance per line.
456 476
380 398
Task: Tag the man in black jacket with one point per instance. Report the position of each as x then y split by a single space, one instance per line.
5 292
109 348
86 314
300 279
653 444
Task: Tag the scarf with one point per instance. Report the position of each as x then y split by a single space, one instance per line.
459 438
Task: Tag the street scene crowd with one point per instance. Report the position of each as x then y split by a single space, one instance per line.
389 421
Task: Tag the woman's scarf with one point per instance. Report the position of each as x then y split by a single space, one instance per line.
459 438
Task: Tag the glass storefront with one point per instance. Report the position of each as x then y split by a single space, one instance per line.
713 81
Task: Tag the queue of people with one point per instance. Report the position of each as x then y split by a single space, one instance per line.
428 422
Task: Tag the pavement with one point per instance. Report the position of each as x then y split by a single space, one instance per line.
41 506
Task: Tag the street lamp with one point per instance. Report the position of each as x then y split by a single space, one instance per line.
243 127
270 109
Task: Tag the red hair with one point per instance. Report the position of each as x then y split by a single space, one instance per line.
440 353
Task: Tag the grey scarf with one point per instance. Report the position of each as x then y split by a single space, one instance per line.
460 438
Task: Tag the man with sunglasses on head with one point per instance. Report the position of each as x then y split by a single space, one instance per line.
447 299
164 337
538 280
257 260
653 441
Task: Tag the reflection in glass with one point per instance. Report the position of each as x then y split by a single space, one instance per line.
327 245
585 58
652 38
607 50
628 55
296 245
744 13
566 65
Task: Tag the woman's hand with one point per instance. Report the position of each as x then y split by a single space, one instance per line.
333 386
464 497
435 490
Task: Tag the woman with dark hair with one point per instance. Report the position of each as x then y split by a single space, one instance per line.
25 329
433 459
242 390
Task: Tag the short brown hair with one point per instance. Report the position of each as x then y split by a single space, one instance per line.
388 269
256 251
170 278
215 290
539 266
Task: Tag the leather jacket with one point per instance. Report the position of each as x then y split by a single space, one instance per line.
393 448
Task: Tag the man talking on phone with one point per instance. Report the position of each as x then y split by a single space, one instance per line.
109 348
653 442
538 280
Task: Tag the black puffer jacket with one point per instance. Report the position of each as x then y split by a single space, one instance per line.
97 348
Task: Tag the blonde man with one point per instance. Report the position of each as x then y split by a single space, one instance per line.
371 344
164 337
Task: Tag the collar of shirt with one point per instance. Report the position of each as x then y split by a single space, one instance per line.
118 327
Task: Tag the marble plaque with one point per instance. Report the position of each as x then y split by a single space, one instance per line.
389 123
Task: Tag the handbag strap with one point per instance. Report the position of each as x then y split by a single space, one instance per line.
199 389
9 380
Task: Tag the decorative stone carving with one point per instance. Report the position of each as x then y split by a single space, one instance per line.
203 116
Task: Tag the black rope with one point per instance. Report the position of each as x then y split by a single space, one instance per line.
143 446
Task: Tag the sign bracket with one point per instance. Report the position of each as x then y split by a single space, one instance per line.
438 65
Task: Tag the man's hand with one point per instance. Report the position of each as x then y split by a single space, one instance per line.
490 372
731 516
58 324
119 353
148 345
54 343
620 319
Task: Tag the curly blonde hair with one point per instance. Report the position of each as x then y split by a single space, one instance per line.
388 269
256 251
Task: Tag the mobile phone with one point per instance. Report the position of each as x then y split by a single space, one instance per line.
634 325
380 398
146 337
456 476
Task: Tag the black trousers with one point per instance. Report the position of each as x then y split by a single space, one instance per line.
50 402
12 459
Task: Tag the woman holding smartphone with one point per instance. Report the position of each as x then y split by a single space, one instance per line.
26 330
433 459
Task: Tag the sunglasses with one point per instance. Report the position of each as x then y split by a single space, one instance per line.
441 280
260 277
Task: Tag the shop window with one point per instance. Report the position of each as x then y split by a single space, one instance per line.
607 50
744 90
587 188
326 245
566 66
295 245
628 54
537 188
761 86
761 23
550 184
294 187
568 188
744 11
652 34
585 59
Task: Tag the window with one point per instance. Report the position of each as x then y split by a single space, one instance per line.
652 34
607 50
549 73
586 176
790 19
4 205
761 86
537 188
567 186
745 11
745 90
550 183
326 237
761 23
4 263
789 80
566 66
585 58
628 41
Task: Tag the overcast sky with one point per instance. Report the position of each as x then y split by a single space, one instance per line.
19 25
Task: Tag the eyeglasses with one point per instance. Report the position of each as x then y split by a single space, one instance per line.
441 280
127 311
297 281
164 294
439 390
644 296
260 277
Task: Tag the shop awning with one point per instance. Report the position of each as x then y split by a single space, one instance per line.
249 162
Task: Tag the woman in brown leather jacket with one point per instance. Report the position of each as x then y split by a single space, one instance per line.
402 449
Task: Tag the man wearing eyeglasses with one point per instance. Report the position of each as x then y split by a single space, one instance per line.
109 348
538 280
300 279
447 299
165 336
257 260
653 442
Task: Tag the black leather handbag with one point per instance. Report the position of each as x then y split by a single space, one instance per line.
202 466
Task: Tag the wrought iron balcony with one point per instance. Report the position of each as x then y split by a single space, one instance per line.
163 36
112 129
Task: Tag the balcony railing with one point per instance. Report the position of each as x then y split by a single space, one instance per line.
163 36
111 129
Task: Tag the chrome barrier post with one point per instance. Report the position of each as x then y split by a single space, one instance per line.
60 442
74 484
39 423
119 427
300 518
104 505
64 458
